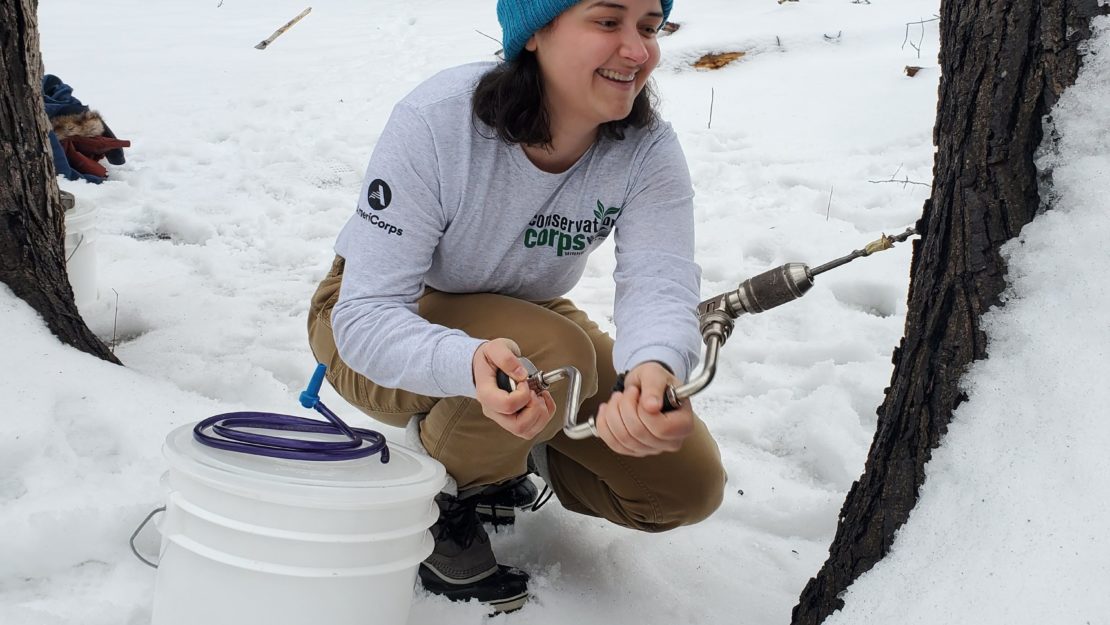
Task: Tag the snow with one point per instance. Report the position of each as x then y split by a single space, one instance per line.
246 163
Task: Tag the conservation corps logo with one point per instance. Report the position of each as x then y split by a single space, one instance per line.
570 237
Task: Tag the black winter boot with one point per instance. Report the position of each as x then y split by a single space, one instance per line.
463 567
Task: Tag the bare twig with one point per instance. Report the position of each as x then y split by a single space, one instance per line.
487 36
712 97
262 45
500 52
828 211
904 182
115 322
920 23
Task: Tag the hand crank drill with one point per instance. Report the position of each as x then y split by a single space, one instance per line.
717 316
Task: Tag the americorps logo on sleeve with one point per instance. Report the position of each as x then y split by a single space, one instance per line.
379 195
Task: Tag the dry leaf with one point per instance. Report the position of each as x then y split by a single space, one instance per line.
717 60
911 70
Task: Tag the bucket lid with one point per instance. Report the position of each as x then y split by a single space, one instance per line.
362 482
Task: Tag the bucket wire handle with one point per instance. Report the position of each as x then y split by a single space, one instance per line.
139 529
76 247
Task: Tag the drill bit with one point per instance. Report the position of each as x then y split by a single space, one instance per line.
883 243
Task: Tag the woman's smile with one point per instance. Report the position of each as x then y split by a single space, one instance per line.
623 81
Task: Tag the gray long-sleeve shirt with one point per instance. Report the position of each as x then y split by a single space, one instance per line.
446 204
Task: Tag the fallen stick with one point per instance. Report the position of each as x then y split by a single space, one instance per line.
277 33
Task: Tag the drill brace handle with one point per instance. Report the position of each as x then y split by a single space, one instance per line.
540 381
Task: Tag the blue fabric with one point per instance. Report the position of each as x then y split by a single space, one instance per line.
58 99
521 18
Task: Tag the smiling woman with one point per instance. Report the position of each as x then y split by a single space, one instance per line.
489 187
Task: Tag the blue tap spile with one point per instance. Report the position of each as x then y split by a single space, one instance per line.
311 395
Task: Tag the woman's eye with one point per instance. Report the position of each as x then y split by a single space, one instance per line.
607 23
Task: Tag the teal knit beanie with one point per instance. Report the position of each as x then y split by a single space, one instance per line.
520 19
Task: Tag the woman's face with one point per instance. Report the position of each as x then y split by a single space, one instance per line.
596 57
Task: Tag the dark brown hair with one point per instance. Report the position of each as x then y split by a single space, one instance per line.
509 99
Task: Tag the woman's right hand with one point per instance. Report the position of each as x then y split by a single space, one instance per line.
522 412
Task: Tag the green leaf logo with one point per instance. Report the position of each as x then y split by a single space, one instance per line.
601 213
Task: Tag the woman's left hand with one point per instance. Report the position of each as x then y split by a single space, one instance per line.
631 423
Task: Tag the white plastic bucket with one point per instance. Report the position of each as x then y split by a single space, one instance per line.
80 249
249 539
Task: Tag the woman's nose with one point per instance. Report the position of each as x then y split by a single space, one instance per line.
633 47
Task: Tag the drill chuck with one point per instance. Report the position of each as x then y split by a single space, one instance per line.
771 288
760 293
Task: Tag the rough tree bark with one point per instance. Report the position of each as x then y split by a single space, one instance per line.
1004 63
32 243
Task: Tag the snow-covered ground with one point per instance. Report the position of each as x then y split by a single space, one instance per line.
246 163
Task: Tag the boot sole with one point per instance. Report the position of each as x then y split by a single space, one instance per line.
503 580
509 605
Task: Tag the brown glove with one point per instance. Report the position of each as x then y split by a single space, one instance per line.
84 152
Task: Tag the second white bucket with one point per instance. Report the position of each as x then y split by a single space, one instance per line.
80 249
250 539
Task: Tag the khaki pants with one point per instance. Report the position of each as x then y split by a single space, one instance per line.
651 494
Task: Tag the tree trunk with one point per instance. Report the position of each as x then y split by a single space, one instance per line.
32 236
1004 63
